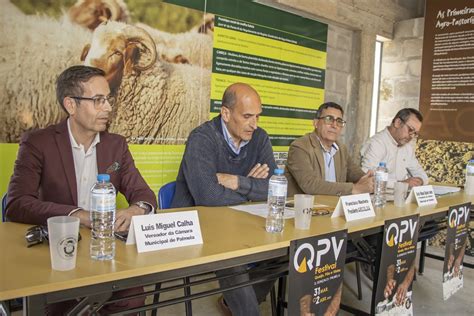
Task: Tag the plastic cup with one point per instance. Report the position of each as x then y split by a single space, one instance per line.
63 234
400 193
303 210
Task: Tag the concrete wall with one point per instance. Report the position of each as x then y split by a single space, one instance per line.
401 70
353 27
340 72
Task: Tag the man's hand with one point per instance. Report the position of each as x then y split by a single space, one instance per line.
457 267
229 181
413 182
84 217
403 287
123 217
259 171
450 261
401 293
333 307
389 287
365 184
305 305
391 283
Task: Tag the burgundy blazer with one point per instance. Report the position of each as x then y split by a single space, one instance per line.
44 180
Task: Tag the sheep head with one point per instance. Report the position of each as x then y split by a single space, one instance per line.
90 13
207 25
119 49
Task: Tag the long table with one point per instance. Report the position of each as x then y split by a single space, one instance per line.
231 238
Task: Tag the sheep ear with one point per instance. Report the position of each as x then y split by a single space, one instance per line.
111 10
140 38
104 13
180 59
85 51
177 59
107 13
208 26
131 57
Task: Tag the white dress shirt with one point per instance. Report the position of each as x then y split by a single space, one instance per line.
401 160
85 166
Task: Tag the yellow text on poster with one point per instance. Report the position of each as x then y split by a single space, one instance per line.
272 93
260 46
282 125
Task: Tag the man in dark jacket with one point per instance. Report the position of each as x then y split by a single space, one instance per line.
228 161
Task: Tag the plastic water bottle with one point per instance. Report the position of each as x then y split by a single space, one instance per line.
277 188
381 178
102 215
469 184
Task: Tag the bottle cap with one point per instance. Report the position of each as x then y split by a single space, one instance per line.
278 171
103 177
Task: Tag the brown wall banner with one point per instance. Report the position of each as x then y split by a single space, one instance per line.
447 75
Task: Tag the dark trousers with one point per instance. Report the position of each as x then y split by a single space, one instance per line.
244 301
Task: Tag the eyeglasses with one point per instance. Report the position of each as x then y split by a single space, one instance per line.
411 131
38 234
99 100
329 120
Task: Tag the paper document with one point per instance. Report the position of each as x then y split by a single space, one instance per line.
442 190
262 210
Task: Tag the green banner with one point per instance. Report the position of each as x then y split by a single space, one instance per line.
252 12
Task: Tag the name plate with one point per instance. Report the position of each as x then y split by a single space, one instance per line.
164 231
354 207
423 195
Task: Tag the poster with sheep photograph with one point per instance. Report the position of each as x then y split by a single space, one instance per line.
167 63
157 58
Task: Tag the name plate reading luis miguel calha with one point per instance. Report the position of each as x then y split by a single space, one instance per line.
164 231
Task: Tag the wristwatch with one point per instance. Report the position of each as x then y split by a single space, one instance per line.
144 206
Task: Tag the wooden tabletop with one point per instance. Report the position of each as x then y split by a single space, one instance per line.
226 234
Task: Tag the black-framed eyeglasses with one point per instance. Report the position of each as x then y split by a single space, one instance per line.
99 100
329 120
411 131
39 234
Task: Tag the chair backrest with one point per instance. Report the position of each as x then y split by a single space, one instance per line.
4 207
166 194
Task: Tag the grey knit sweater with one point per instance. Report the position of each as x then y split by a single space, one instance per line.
206 154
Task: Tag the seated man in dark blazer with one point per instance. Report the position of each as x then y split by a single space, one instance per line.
57 166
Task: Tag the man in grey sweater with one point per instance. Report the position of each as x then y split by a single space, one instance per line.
227 161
